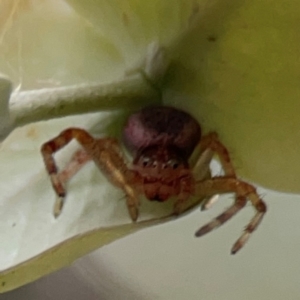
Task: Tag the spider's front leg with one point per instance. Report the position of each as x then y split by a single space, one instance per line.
107 155
209 146
243 191
228 184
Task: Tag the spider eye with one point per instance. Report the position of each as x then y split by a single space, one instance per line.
146 161
173 163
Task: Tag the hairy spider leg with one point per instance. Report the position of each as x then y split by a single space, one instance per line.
186 188
76 163
107 155
242 190
225 184
209 145
212 143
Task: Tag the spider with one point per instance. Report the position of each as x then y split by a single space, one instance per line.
161 141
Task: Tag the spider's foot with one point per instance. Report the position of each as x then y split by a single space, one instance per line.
247 232
58 206
208 203
240 242
133 212
57 185
208 227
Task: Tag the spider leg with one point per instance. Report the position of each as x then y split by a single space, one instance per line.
106 154
243 191
76 163
212 143
209 202
186 186
225 184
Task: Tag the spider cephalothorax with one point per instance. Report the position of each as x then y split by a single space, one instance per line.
161 140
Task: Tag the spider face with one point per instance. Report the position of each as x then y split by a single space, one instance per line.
161 140
161 168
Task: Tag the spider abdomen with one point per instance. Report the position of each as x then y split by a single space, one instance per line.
161 125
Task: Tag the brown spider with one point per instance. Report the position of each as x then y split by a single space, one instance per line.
161 140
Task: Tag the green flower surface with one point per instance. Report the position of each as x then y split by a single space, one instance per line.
234 65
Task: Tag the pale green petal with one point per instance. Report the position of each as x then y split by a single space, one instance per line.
240 69
237 71
46 44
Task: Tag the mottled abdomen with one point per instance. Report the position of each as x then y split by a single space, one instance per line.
161 125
